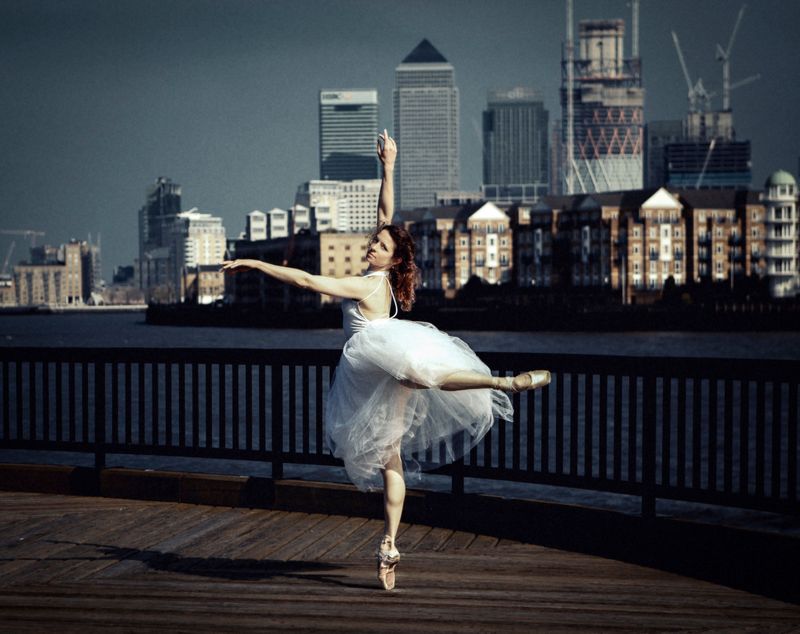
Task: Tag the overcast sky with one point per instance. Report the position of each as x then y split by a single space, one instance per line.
100 97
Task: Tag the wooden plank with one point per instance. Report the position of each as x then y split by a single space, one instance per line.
446 582
361 543
296 548
86 542
341 534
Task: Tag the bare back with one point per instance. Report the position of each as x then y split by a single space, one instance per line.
377 304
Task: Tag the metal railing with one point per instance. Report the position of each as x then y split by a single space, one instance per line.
716 431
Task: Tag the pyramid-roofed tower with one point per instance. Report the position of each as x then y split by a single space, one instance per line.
425 126
425 53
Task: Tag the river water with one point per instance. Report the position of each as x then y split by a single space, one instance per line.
107 330
130 330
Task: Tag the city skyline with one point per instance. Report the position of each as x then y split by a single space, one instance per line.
222 98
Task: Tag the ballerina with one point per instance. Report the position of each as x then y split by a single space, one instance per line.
401 387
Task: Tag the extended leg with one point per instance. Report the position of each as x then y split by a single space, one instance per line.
467 380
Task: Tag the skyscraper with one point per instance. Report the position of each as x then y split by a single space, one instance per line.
425 126
156 221
348 130
608 113
515 154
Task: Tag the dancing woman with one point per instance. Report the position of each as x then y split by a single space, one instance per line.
401 387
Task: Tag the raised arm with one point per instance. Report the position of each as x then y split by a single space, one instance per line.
349 287
387 153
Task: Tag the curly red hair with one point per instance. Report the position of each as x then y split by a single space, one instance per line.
403 275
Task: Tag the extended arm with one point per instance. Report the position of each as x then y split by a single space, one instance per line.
387 153
349 287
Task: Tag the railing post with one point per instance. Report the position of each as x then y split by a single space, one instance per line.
99 414
649 447
277 421
457 477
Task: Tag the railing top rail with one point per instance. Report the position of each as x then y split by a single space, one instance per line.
722 368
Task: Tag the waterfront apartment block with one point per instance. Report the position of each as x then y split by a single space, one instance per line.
426 127
342 205
456 243
782 234
635 241
203 284
334 254
348 129
61 276
199 249
267 226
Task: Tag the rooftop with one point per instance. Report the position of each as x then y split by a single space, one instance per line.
425 53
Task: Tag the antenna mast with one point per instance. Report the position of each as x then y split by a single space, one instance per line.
570 99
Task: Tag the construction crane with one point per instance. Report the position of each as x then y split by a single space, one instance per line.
699 97
8 257
28 233
705 163
724 56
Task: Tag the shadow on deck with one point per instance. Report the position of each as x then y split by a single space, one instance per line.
192 555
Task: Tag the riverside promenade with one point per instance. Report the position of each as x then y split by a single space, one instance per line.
72 563
100 547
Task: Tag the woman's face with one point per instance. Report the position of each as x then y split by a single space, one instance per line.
380 253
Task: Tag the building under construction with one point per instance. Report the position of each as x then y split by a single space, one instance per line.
708 165
602 103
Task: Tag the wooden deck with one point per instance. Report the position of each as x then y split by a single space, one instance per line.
91 564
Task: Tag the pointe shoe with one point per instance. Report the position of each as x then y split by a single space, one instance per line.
534 379
387 562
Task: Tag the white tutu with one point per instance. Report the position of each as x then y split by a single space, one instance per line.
370 413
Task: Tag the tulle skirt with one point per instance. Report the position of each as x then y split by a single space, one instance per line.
373 412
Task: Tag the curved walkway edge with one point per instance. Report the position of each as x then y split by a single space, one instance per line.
758 562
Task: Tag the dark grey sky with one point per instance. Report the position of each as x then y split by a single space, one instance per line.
100 97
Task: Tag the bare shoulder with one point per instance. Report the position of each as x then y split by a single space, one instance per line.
352 287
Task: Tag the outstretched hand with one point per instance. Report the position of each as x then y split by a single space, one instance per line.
234 266
387 149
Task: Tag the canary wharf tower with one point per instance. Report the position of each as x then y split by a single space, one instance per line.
426 127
